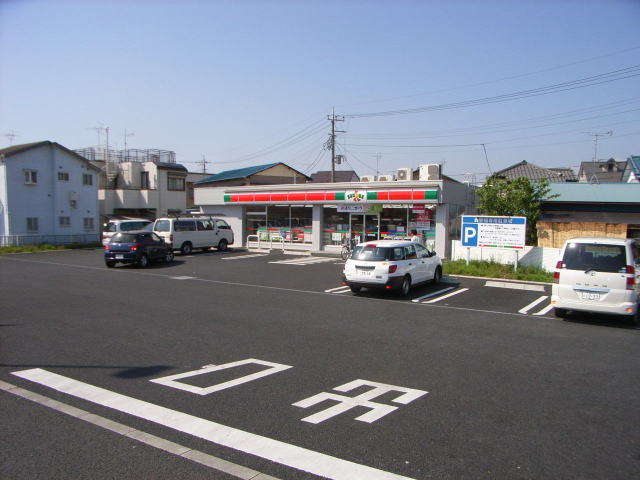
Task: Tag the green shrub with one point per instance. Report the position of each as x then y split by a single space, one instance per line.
477 268
46 247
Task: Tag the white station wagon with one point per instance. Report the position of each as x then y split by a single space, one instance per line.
391 265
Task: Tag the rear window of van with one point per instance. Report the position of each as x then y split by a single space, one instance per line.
599 257
162 226
184 226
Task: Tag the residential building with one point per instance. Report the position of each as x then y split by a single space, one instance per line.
608 171
270 174
138 183
589 209
48 194
340 176
534 173
632 171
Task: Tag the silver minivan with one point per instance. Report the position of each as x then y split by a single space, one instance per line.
598 275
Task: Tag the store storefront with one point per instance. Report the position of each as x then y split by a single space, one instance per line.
318 217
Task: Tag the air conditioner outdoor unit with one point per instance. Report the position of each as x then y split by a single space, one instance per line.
430 172
368 178
385 178
404 174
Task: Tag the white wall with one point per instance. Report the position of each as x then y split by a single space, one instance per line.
540 257
233 215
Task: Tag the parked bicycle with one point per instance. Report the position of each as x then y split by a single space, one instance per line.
348 243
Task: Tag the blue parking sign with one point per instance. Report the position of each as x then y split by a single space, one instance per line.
469 234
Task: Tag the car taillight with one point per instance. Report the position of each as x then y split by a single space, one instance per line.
135 247
393 268
170 238
106 247
631 279
556 274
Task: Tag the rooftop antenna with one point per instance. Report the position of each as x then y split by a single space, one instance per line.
595 141
11 136
204 163
125 135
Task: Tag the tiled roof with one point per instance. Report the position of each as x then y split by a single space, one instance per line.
241 173
602 172
340 176
534 172
19 148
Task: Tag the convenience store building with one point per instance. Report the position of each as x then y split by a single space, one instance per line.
316 217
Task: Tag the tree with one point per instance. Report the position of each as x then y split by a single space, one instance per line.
518 198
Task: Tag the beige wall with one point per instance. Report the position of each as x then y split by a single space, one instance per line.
554 234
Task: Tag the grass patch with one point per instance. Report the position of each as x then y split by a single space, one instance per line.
46 247
478 268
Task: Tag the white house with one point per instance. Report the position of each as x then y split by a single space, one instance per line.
48 194
138 183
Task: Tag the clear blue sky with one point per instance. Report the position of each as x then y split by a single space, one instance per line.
246 83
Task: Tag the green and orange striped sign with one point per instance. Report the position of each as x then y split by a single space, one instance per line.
347 196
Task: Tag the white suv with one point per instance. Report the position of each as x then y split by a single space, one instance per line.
391 265
597 275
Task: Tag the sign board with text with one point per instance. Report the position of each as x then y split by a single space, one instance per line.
492 231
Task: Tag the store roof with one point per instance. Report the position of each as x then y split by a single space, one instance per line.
242 173
595 192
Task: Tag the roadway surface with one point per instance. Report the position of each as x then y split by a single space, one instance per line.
302 379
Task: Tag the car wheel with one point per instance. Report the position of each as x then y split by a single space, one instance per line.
437 276
355 290
405 287
110 264
169 256
186 248
143 261
222 246
560 312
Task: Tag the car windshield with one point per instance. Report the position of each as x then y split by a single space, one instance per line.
123 238
371 253
592 256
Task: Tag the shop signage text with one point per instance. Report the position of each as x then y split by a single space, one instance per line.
498 232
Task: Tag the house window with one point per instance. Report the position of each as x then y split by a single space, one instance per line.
32 224
144 180
88 223
63 176
30 177
65 221
87 179
175 183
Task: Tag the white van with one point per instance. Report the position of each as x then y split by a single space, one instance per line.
116 226
598 275
187 233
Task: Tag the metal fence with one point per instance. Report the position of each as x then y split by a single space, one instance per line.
19 240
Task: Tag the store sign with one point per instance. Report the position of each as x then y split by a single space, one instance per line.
497 232
355 196
352 208
343 196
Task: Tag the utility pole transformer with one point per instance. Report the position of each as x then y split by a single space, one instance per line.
333 119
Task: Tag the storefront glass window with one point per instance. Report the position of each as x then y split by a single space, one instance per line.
393 223
336 226
422 219
256 220
301 224
277 221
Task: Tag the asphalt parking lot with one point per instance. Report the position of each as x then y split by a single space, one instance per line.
267 363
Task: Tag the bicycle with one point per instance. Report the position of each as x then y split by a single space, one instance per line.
347 248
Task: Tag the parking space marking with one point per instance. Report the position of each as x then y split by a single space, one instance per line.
305 260
447 295
515 286
233 469
241 257
433 294
341 289
303 459
544 310
533 304
172 380
183 277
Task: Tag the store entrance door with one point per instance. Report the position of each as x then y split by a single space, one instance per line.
365 226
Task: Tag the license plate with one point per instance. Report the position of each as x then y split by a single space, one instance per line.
588 296
365 273
119 257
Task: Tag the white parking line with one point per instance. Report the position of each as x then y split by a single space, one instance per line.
533 304
276 451
544 310
305 260
233 469
341 289
416 300
240 257
183 277
515 286
447 295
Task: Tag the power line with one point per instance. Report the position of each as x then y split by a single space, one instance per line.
599 79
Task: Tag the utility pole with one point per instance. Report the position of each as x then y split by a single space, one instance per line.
203 162
332 140
126 155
